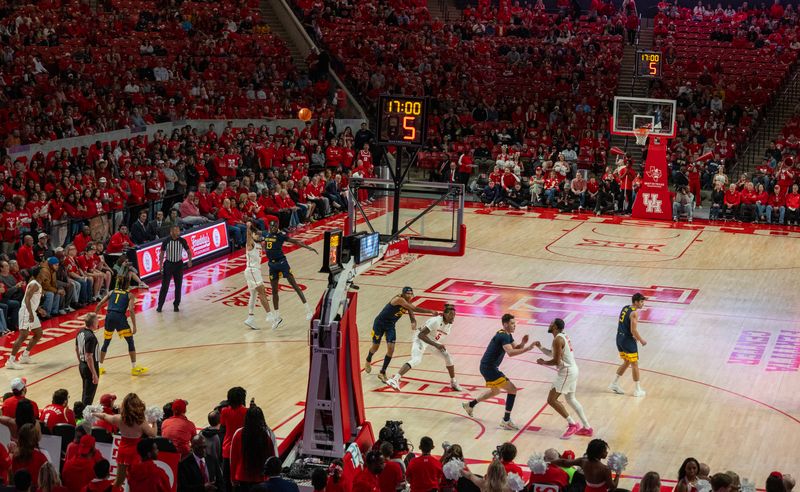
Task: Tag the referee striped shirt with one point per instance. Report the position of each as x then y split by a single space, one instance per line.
174 249
86 342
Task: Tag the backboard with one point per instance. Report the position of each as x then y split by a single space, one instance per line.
429 215
631 113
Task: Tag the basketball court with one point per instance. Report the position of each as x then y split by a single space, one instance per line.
720 367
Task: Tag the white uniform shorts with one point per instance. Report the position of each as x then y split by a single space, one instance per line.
27 324
566 380
253 277
418 348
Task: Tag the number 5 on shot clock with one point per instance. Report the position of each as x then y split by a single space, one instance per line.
402 120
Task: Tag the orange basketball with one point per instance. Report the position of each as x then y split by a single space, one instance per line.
304 114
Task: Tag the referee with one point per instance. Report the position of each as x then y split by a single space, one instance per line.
87 349
172 248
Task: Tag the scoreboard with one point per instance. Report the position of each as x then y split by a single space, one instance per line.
648 64
402 120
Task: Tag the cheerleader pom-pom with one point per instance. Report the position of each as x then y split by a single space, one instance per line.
748 486
515 482
703 486
617 462
537 464
153 414
452 469
88 411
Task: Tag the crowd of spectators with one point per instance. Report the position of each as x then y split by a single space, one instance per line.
518 76
68 70
237 451
77 215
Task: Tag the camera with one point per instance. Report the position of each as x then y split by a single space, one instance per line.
393 432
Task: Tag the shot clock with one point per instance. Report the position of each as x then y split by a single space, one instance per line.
402 120
648 64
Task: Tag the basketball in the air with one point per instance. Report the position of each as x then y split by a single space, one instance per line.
304 114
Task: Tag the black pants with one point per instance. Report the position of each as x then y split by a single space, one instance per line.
89 388
173 270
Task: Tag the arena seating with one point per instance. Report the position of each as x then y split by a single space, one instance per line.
70 71
527 97
711 53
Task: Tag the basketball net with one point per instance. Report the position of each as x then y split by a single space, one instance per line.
641 134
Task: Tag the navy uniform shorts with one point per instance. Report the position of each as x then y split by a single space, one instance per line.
116 322
279 269
493 376
381 329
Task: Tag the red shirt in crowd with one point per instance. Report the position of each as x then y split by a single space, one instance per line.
732 198
77 473
512 467
232 419
25 257
119 242
390 477
793 201
180 431
5 464
80 241
424 473
54 414
32 465
10 406
146 476
366 481
748 196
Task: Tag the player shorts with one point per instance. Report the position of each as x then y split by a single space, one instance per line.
253 277
27 324
418 348
493 376
566 380
278 269
116 322
629 356
379 330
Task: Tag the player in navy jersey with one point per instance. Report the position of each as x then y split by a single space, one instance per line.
385 324
279 267
502 343
627 336
120 302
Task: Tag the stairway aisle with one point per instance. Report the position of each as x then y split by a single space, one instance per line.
276 27
444 10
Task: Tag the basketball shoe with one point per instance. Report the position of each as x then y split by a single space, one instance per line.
508 425
616 388
467 408
251 322
571 430
138 370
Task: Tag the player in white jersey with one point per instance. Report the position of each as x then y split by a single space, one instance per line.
566 381
252 274
432 333
28 321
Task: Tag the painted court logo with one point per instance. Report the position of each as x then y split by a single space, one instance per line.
651 203
539 303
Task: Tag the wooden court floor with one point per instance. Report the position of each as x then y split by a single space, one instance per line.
720 368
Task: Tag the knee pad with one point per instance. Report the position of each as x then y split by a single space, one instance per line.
129 341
